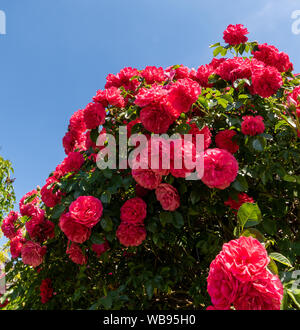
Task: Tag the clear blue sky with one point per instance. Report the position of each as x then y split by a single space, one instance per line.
56 54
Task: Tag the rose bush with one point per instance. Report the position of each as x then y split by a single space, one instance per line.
148 238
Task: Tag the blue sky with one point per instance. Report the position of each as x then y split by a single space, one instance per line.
56 55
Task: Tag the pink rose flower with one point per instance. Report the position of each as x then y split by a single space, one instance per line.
49 197
74 231
99 249
86 210
134 210
235 34
94 115
242 198
131 234
8 225
146 178
168 197
253 125
224 140
33 253
75 254
46 290
16 245
220 168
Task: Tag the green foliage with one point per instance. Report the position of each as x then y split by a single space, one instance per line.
7 197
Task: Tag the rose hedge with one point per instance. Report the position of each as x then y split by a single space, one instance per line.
149 238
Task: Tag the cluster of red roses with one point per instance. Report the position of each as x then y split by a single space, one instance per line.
84 213
160 97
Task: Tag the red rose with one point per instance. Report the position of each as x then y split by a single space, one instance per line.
266 80
77 124
8 225
74 231
224 141
242 198
153 74
75 254
16 245
123 78
114 97
94 115
235 34
270 55
33 254
182 95
134 210
155 119
252 125
40 229
46 290
131 234
168 197
86 210
220 168
146 178
99 249
49 197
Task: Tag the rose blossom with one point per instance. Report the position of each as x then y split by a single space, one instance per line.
168 197
242 198
220 168
224 140
75 254
134 210
46 290
94 115
155 119
16 244
252 125
131 234
33 253
245 257
235 34
146 178
74 231
99 249
86 210
49 197
8 225
239 277
266 80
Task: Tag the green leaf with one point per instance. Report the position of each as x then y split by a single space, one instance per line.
96 238
280 258
149 289
106 223
58 210
105 197
259 143
178 220
290 178
254 233
165 217
195 197
249 215
240 184
217 51
273 267
94 134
